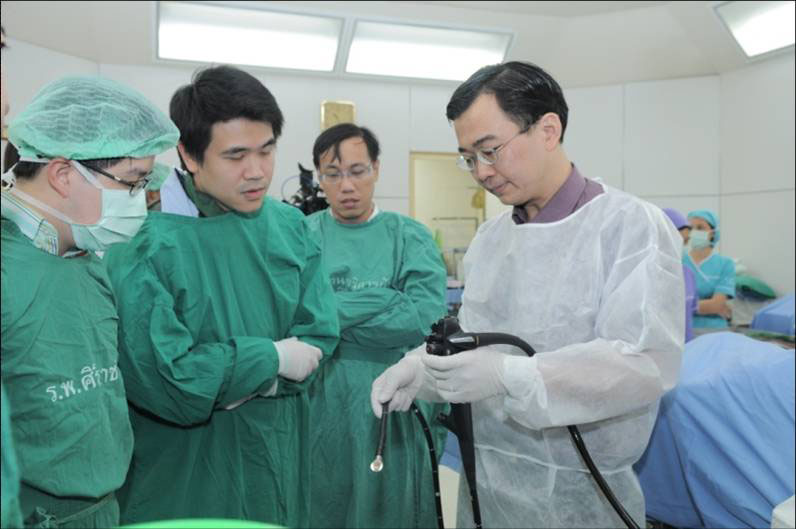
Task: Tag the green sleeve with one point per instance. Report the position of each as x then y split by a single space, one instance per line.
165 372
400 316
10 512
315 321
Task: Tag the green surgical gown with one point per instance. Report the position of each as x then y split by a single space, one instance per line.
389 281
59 368
201 302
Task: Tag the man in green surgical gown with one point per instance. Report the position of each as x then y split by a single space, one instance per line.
77 191
389 282
225 315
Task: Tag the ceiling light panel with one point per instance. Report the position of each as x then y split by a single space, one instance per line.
400 50
254 37
759 27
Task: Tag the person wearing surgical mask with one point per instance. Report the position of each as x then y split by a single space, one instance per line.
714 273
87 147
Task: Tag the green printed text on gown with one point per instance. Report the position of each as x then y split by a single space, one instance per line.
59 362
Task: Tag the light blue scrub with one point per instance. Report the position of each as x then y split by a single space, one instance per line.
714 275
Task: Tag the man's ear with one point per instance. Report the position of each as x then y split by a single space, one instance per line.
190 163
376 170
551 128
59 173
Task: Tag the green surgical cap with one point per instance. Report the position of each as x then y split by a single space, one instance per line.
85 118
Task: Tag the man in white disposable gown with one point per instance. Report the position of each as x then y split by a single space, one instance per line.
590 277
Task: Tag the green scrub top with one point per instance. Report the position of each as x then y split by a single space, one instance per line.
390 283
65 390
714 275
201 302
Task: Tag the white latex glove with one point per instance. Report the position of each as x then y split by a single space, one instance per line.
468 376
296 358
399 385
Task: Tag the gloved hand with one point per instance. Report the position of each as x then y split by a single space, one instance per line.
296 358
468 376
399 385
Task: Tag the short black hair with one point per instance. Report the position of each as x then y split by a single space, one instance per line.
29 170
332 137
10 156
523 91
216 95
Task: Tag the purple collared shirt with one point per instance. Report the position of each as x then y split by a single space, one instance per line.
571 196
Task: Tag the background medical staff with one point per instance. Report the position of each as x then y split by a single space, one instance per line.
389 281
714 273
691 299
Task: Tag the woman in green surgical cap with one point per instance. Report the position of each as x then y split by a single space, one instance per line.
389 282
76 191
714 273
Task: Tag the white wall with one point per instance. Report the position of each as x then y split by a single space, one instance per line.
757 161
27 68
720 142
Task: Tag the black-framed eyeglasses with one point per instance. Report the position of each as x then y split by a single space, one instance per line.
485 156
135 187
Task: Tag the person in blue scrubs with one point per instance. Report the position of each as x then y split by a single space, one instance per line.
714 273
682 225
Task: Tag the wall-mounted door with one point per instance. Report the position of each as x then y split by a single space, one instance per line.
449 202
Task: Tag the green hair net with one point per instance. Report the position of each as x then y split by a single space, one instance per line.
86 117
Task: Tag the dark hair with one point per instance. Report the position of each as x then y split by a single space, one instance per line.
29 170
219 94
10 156
332 137
523 91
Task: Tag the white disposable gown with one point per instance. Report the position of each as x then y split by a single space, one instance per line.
600 297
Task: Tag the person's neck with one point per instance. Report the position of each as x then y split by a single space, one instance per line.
700 254
559 170
357 220
65 240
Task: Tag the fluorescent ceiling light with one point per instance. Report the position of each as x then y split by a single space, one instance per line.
255 37
415 51
759 27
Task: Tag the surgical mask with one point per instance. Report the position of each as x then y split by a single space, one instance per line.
122 215
699 239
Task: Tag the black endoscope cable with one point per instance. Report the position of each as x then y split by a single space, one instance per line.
434 467
378 462
470 341
500 338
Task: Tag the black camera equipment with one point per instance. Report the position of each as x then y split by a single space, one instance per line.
310 197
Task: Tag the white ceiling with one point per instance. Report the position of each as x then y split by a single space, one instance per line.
552 9
580 43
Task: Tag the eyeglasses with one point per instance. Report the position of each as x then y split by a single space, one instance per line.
355 172
135 187
485 156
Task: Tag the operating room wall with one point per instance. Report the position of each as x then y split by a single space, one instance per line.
723 142
758 186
